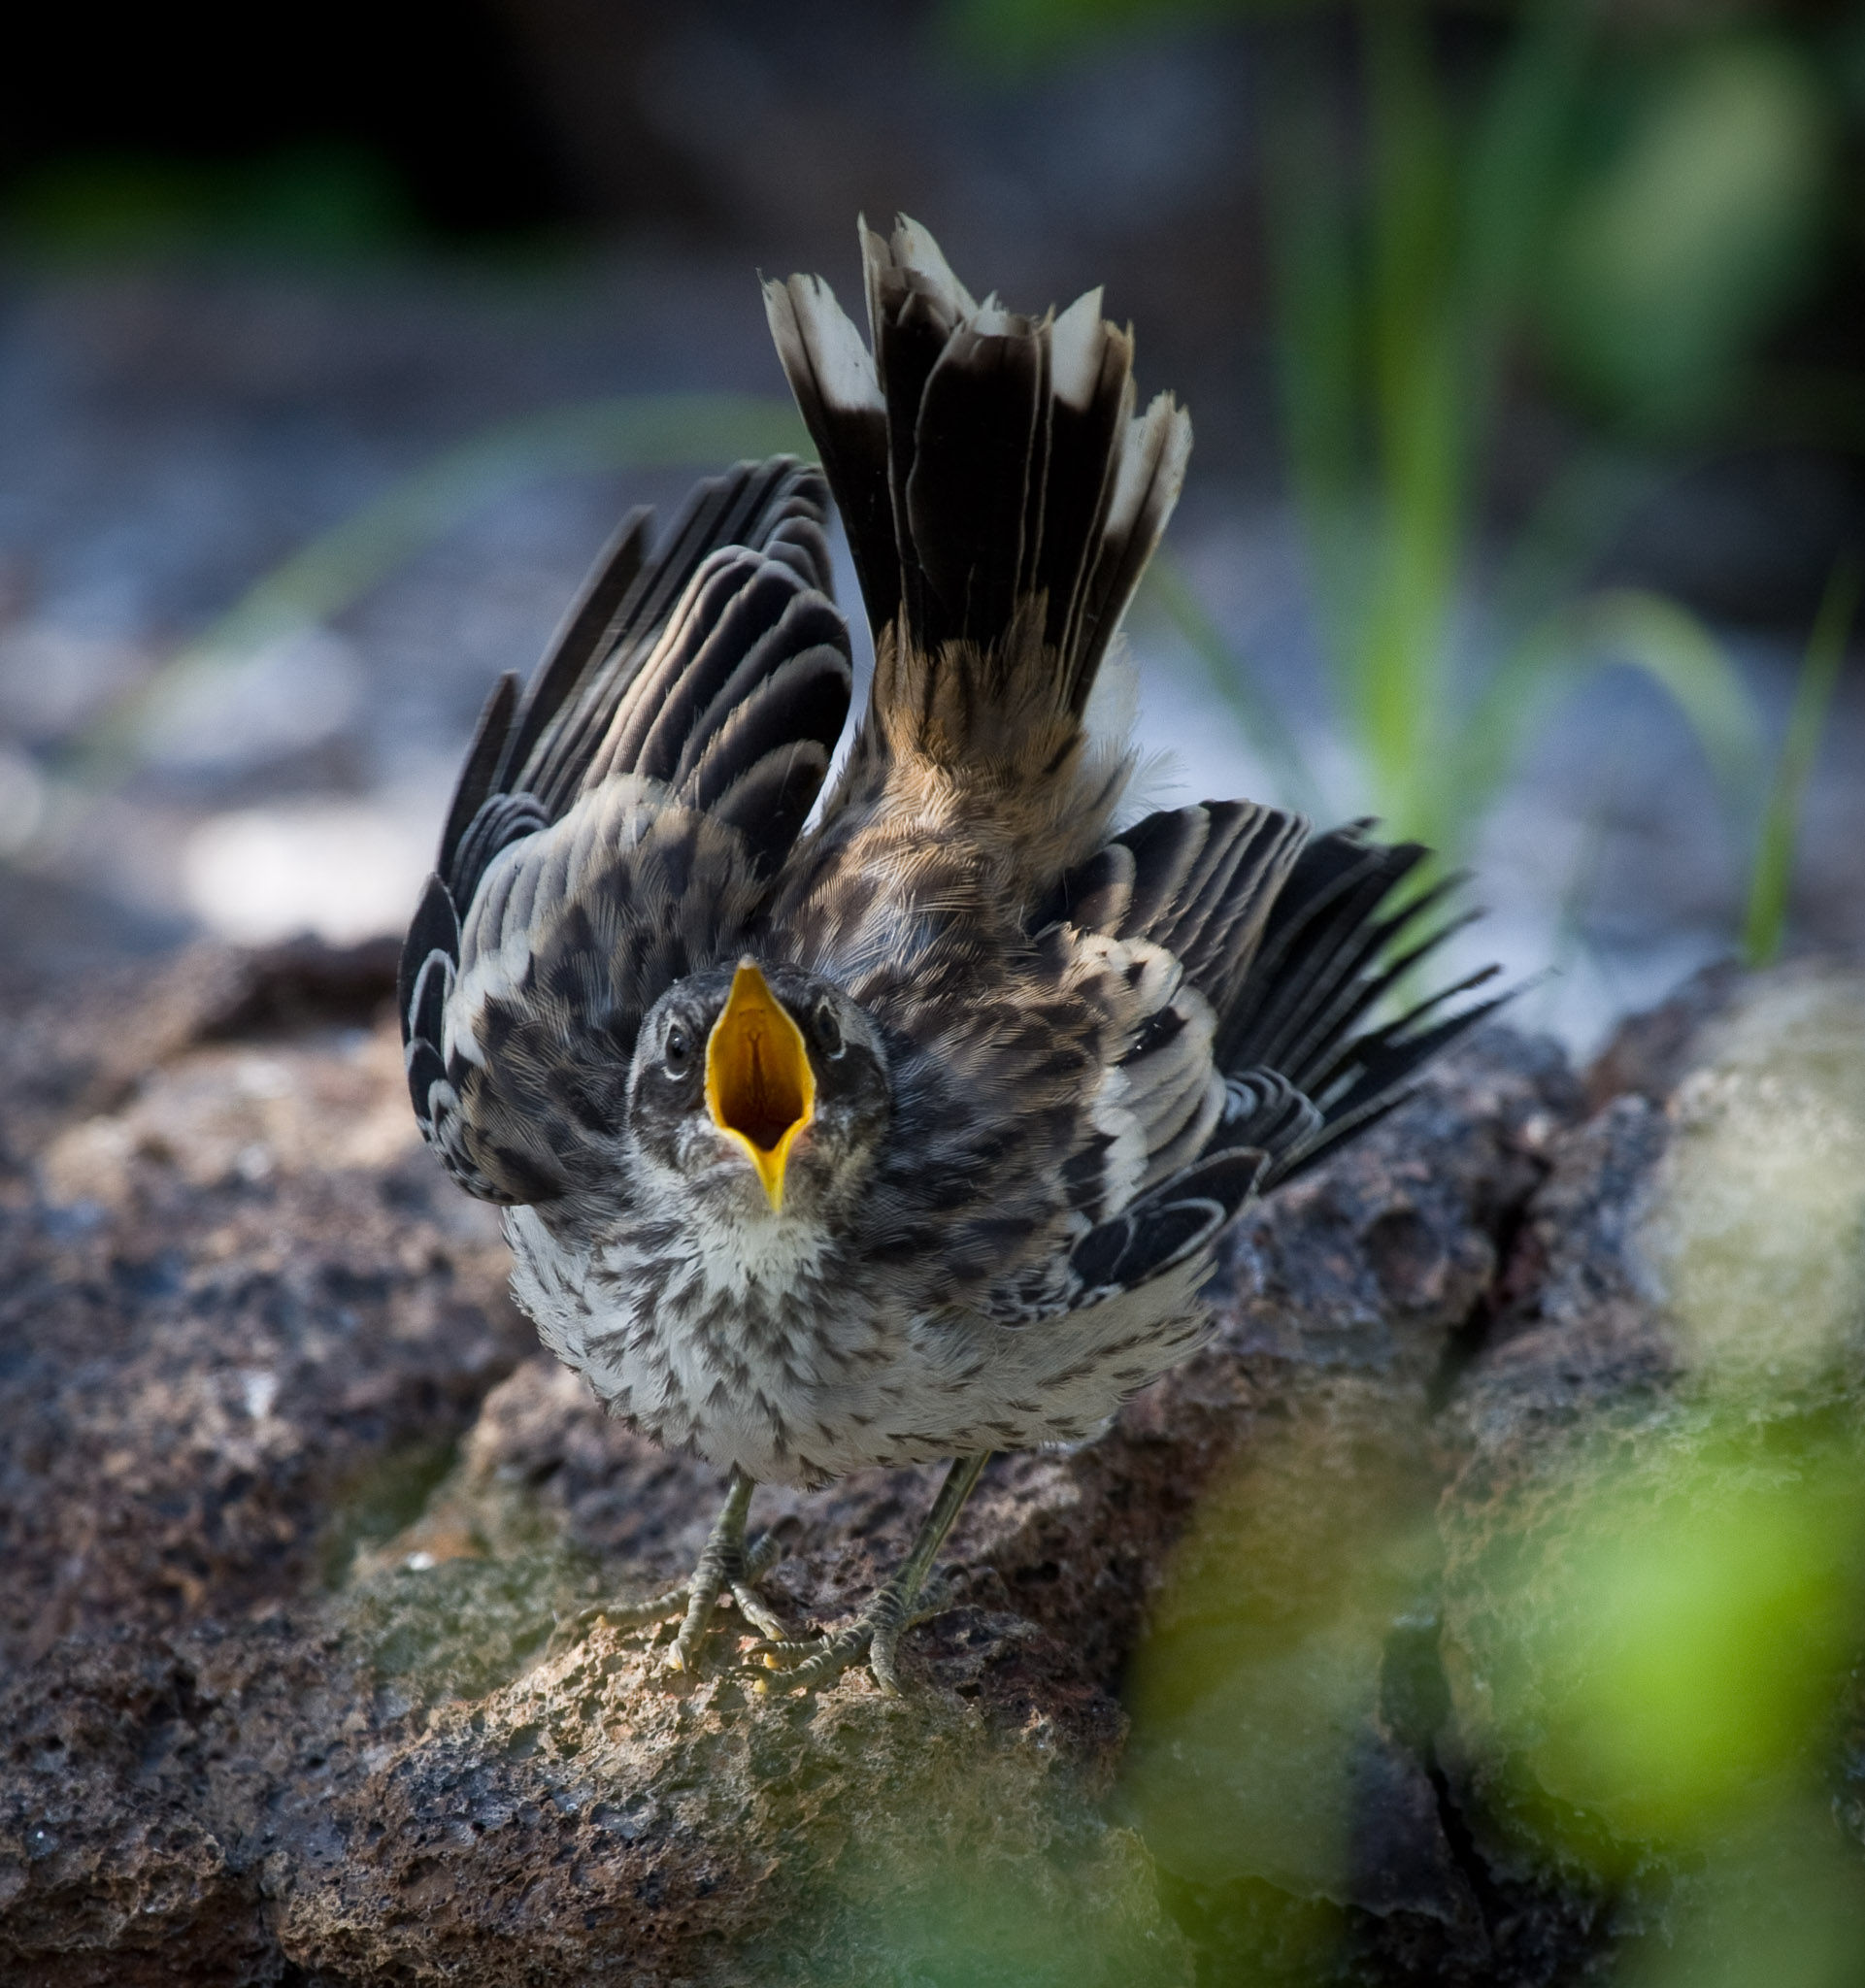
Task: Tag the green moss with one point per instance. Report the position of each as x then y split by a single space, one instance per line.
388 1493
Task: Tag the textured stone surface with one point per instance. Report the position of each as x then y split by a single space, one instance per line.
298 1526
1653 1585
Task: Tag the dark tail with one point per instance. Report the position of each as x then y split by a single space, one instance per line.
1001 497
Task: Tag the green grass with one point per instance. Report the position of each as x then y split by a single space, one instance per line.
1411 255
1766 915
1399 279
1404 270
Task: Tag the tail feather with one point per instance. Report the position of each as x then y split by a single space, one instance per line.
914 306
1150 474
1091 410
1001 497
973 479
832 374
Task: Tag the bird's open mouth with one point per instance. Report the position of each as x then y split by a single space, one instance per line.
759 1086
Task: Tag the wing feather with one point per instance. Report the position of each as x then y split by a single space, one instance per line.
616 828
1253 962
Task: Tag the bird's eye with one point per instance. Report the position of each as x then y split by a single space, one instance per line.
828 1031
678 1049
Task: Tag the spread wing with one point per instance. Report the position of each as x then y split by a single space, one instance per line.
616 826
1256 957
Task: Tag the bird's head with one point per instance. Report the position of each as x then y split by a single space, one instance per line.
764 1090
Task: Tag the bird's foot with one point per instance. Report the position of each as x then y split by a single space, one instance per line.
873 1636
727 1570
699 1596
726 1567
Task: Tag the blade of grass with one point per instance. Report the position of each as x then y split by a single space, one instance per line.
1510 181
1005 39
1418 419
1680 655
1767 912
1640 631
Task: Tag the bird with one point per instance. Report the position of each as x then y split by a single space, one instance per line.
880 1101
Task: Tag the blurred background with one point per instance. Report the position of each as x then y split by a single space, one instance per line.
1522 345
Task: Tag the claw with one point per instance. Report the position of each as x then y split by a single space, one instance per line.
820 1663
641 1614
728 1567
750 1603
572 1629
873 1636
726 1570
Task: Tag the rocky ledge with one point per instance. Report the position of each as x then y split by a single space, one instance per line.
1483 1607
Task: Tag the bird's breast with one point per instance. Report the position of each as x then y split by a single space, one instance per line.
746 1347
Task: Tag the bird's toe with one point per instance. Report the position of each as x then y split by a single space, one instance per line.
808 1665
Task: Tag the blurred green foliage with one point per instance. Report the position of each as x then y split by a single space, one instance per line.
1651 1644
1782 1907
326 198
1637 212
972 1907
1255 1695
1634 205
1007 37
1647 1649
631 431
1401 279
1653 1654
1683 1636
1678 249
1631 1627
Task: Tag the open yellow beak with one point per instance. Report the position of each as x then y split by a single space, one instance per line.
759 1086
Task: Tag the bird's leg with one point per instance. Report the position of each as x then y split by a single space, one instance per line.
901 1600
726 1566
726 1562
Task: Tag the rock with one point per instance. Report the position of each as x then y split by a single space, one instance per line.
1291 1672
1654 1586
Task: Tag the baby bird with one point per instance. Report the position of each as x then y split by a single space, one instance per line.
895 1122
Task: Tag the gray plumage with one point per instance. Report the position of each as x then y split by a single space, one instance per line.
1049 1058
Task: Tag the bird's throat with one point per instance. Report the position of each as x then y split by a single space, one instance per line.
759 1086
